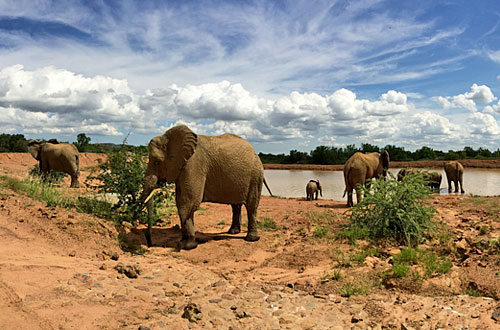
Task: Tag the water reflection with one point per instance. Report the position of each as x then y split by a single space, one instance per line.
292 183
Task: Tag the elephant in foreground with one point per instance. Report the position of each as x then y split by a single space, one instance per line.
220 169
361 167
312 189
61 157
455 173
433 178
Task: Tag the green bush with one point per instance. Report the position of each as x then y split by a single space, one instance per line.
121 176
52 176
395 209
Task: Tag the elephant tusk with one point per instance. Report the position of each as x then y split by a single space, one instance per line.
151 196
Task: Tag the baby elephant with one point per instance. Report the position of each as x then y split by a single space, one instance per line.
312 188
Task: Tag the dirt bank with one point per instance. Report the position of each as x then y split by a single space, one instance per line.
421 163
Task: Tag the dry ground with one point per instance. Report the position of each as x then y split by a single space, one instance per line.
57 270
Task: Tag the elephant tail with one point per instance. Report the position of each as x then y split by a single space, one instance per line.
269 190
345 191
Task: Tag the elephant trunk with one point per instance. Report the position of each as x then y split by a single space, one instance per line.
150 182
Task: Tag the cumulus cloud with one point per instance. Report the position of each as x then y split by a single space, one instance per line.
492 109
68 101
468 100
483 124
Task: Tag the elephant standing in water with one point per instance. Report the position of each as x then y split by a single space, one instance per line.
312 189
221 169
455 172
61 157
361 167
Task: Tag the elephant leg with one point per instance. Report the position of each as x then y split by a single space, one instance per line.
188 240
350 202
236 224
456 185
316 195
461 187
74 181
449 185
252 205
359 195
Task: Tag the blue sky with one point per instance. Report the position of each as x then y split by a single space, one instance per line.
283 74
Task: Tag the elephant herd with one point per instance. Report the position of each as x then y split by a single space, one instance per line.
220 169
361 167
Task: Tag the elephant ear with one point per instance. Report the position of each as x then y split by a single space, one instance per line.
53 141
34 147
385 159
181 145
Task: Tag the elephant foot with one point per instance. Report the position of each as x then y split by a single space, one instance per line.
462 192
187 244
234 230
252 237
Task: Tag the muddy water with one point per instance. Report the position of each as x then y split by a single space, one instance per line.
292 183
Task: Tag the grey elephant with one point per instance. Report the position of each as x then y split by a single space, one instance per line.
433 178
312 189
221 169
359 168
61 157
454 173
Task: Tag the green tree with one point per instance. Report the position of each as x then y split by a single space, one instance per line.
424 153
83 142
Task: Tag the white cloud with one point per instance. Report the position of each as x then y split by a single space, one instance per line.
483 124
492 109
468 100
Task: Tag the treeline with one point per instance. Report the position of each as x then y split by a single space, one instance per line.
18 143
324 155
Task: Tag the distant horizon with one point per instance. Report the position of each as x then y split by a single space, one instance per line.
285 75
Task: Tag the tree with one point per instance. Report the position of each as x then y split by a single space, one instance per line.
83 142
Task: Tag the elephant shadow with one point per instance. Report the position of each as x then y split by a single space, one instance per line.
168 237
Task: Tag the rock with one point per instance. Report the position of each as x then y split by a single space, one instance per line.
462 246
103 267
143 327
129 270
72 253
496 315
114 256
192 313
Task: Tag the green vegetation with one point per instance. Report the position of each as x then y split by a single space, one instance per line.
428 260
267 223
121 175
52 177
13 143
322 223
328 155
393 209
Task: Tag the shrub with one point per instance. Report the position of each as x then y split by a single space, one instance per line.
52 176
395 209
121 175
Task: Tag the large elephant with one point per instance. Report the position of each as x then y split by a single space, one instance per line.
61 157
455 172
221 169
361 167
433 178
312 189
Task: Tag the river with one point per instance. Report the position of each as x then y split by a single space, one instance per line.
292 183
